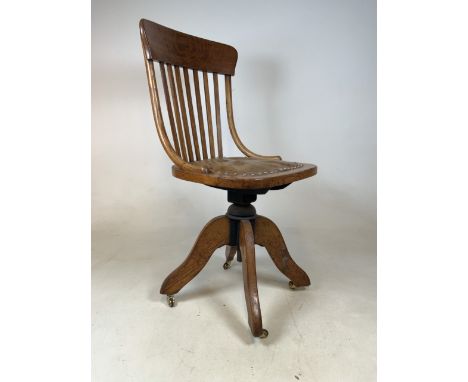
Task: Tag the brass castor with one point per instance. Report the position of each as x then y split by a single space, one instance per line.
291 285
170 301
264 333
227 265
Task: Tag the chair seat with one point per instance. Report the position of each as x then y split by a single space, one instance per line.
246 173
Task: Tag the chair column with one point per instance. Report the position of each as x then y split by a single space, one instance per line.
240 209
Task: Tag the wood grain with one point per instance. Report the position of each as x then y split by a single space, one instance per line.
200 113
247 249
193 125
218 116
176 48
230 252
269 236
170 113
175 104
188 142
209 121
246 173
215 234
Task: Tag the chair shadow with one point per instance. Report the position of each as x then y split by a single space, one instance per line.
203 291
238 326
282 309
234 322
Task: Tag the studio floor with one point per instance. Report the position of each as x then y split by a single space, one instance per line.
326 332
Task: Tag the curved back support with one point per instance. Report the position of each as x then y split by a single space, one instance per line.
181 57
176 48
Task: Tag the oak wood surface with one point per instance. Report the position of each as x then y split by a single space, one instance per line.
215 234
209 121
247 249
170 112
230 252
188 141
177 48
193 125
269 236
218 116
246 173
175 104
201 124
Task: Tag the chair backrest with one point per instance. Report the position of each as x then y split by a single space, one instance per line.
181 56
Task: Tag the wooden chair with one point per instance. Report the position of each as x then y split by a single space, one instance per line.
197 152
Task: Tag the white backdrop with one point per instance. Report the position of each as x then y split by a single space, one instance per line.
305 88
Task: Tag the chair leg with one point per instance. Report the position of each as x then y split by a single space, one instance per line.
215 234
269 236
247 250
230 253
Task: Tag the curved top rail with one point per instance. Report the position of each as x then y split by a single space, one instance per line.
176 48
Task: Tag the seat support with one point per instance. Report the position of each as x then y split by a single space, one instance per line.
239 230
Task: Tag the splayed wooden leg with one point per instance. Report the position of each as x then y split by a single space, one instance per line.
215 234
230 253
269 236
247 249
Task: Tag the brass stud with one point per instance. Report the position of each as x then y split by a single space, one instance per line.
291 285
264 333
227 265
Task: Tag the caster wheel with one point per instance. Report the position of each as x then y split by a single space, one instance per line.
291 285
264 333
171 301
227 265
